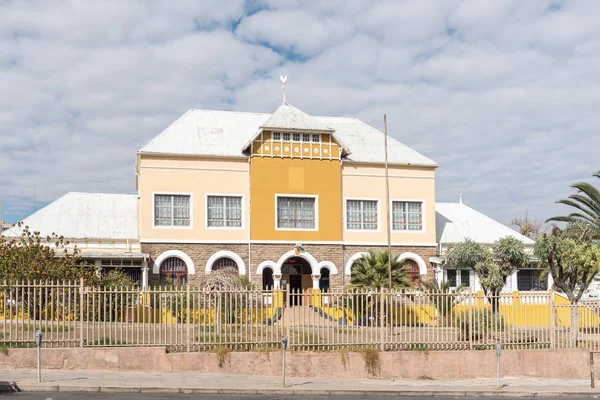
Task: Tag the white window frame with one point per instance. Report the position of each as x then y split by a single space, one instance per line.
423 214
361 199
317 135
229 228
190 226
307 196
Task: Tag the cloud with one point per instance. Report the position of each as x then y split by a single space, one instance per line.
503 95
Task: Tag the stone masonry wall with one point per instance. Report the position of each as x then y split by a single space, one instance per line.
335 253
423 251
199 253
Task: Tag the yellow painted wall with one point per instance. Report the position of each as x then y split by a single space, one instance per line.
406 183
270 176
196 176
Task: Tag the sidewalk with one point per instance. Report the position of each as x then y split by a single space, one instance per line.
98 381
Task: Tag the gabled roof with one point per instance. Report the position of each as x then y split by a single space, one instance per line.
455 222
289 117
85 216
227 133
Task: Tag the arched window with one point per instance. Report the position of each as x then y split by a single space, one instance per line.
412 272
267 278
224 262
324 280
173 271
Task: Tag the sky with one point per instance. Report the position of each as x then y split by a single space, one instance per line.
504 95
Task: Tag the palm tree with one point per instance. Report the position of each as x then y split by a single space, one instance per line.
371 272
586 203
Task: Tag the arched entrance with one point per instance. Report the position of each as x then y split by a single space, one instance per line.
297 272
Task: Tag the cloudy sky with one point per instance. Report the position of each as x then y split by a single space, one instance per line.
504 95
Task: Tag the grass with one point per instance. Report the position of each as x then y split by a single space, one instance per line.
372 360
4 347
223 354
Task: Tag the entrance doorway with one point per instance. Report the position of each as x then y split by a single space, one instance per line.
296 271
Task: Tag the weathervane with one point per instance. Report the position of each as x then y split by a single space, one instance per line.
283 80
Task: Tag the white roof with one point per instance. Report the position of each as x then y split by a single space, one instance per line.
289 117
226 133
456 222
85 216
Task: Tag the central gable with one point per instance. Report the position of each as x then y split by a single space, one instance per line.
290 132
302 145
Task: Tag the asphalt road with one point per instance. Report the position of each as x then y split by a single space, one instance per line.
140 396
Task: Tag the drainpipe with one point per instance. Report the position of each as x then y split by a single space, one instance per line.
342 264
249 271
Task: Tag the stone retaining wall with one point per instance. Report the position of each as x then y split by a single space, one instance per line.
565 364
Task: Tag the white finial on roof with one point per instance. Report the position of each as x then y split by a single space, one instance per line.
283 80
460 198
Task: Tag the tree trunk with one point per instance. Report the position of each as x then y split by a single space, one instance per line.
574 330
495 302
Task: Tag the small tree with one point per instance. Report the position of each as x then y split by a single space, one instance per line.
33 257
573 259
532 228
492 267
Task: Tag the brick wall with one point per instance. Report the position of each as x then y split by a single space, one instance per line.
337 254
423 251
199 253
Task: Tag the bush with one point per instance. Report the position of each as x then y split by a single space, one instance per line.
481 323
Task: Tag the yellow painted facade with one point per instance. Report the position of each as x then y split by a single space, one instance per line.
273 176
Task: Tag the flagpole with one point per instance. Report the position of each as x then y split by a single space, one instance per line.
387 202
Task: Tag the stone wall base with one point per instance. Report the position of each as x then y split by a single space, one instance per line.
564 364
253 255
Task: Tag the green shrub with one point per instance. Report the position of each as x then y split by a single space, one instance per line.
481 324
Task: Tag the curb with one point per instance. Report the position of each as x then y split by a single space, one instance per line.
286 391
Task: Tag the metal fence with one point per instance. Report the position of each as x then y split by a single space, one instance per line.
190 318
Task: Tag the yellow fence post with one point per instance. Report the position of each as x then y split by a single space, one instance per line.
552 319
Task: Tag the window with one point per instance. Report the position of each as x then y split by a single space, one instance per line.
361 214
465 277
451 277
413 272
171 210
224 211
316 137
276 136
458 277
224 262
286 137
528 279
305 137
324 280
267 276
296 137
173 271
295 212
407 215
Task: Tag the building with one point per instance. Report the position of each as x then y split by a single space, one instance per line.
103 227
456 222
285 198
